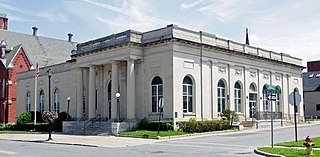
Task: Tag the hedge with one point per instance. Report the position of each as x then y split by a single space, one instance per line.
165 125
203 126
24 122
40 127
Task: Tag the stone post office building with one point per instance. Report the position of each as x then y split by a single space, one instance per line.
197 74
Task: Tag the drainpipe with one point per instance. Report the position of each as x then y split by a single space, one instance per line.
244 94
211 85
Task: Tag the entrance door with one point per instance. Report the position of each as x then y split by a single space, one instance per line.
109 99
252 104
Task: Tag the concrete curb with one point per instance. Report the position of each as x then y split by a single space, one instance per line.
266 154
182 136
52 142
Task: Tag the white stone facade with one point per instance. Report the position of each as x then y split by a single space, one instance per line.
181 58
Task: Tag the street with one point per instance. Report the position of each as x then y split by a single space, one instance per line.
228 144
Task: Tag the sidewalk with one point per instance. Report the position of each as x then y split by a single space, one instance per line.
93 141
112 141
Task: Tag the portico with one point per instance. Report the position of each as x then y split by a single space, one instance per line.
97 95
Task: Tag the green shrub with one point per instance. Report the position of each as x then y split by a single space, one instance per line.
203 126
24 117
145 124
229 115
57 124
7 127
30 126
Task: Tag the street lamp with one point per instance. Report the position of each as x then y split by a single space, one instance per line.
49 73
118 97
252 110
68 99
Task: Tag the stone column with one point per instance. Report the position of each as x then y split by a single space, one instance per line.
79 95
130 90
92 92
114 90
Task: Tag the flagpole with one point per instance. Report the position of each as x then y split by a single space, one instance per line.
35 99
35 92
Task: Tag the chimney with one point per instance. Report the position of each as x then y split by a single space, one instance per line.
3 21
70 37
34 32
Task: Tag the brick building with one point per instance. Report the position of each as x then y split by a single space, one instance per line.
18 53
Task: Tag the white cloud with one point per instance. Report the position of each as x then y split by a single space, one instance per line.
291 29
190 5
222 10
129 14
29 14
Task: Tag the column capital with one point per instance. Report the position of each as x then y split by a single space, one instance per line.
130 59
115 62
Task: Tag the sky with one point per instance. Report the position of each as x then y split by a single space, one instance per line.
286 26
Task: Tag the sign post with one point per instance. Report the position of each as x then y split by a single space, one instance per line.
272 91
160 105
295 99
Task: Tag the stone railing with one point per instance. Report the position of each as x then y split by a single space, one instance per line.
173 31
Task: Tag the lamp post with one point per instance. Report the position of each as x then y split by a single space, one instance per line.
252 110
118 97
68 99
49 73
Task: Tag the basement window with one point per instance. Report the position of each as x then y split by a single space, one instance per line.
318 107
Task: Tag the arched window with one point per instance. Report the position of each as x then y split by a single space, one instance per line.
237 97
56 100
109 99
157 93
41 101
252 100
221 96
265 99
187 93
28 101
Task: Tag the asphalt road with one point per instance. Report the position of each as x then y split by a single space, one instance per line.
229 145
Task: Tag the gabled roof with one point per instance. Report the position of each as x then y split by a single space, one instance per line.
311 81
47 51
11 55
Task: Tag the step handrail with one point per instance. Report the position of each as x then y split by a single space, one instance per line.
90 122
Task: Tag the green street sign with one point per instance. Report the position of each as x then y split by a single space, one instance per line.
272 89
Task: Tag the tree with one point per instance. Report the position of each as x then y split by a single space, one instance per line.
231 116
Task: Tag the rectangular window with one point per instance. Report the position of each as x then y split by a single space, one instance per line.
237 100
157 91
318 107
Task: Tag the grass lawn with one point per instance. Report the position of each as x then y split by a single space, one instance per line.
152 133
315 140
19 132
289 152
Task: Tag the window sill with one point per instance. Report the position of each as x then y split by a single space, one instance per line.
191 114
154 114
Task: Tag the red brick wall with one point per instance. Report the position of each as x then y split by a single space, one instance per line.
2 75
21 64
313 66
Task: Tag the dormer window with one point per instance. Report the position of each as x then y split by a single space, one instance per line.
311 75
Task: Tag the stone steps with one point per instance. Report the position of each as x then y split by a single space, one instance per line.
77 128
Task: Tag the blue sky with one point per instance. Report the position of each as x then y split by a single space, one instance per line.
287 26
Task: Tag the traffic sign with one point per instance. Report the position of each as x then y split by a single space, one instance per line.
161 103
